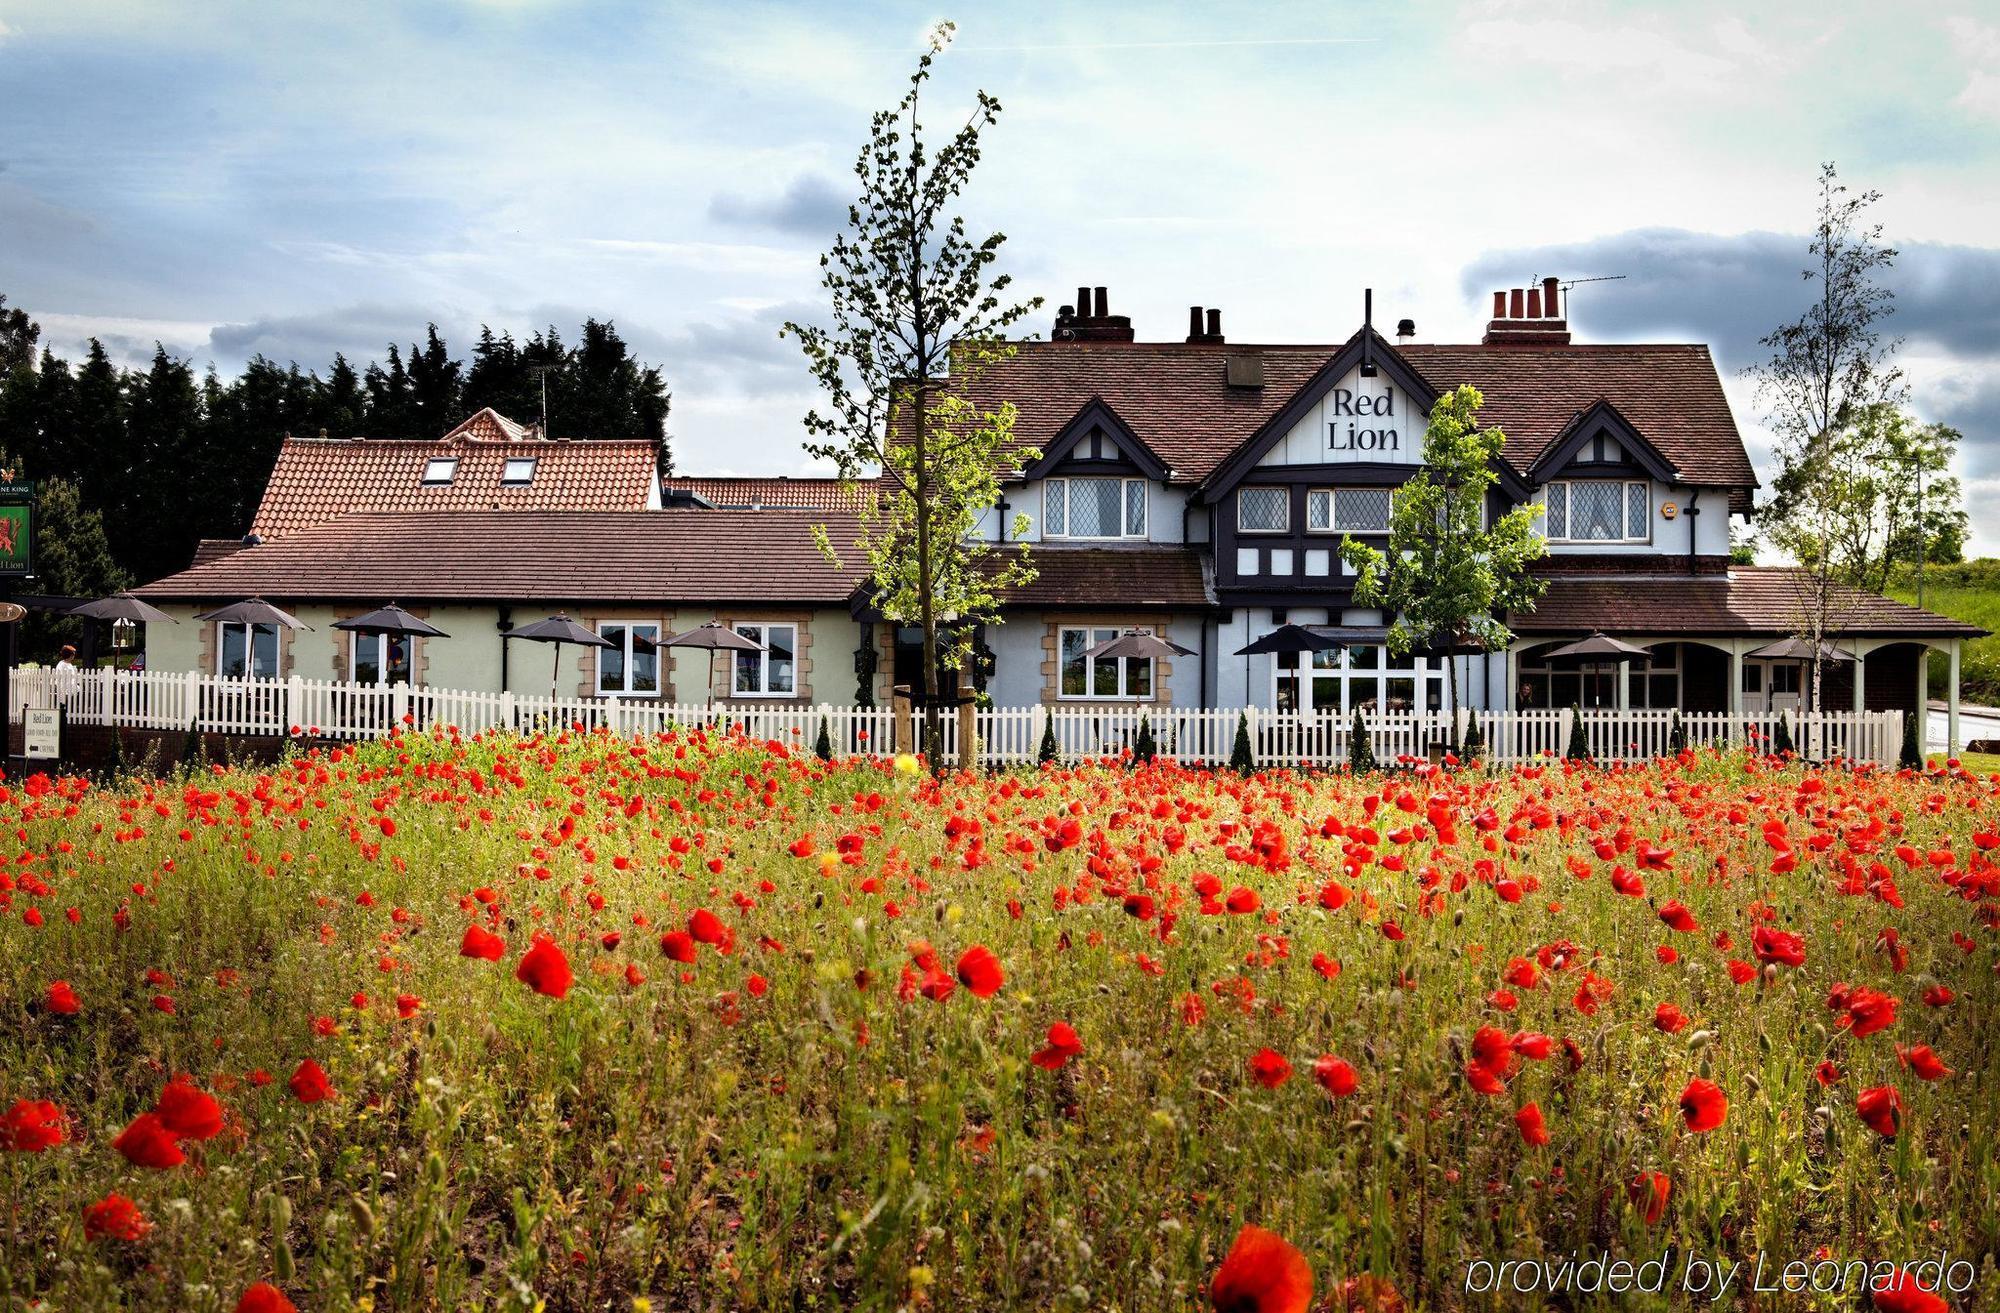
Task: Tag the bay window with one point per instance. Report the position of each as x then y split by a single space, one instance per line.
1598 511
1094 508
630 667
773 672
1101 678
246 651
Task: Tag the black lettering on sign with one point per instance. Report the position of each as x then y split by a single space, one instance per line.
1345 402
1359 439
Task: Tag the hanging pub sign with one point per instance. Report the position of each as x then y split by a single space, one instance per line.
17 527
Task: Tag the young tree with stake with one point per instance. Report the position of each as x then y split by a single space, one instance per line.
1448 576
917 314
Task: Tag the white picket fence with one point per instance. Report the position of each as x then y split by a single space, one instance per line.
329 709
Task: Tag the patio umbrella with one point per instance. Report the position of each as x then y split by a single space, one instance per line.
391 619
122 606
712 637
254 611
1137 643
1799 650
557 630
1292 638
1601 649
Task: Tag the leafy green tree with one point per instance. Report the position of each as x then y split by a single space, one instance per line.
1143 746
1360 750
1242 757
1912 755
72 559
166 494
18 335
340 404
1448 576
1578 747
1046 753
918 313
436 386
1475 742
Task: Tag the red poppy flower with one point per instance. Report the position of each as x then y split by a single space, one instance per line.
114 1217
1920 1059
189 1113
1062 1046
1529 1120
1243 901
265 1298
979 971
1882 1108
309 1083
61 999
1269 1068
1827 1073
678 945
148 1143
544 969
1670 1019
1262 1274
32 1126
481 943
1703 1105
1336 1076
1779 946
1648 1192
1871 1010
705 927
1677 917
1902 1294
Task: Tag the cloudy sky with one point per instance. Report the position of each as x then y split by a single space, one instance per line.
298 179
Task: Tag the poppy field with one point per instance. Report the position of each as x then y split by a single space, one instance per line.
573 1022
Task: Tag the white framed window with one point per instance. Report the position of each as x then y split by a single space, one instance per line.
518 470
380 658
1263 510
246 651
773 672
1653 681
1598 511
440 469
1337 681
1100 679
631 666
1094 508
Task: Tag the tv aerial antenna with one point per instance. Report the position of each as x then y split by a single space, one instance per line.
1578 282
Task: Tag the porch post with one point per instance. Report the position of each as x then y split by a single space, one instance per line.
1509 696
1951 702
1860 680
1736 677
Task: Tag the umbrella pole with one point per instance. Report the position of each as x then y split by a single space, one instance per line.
555 670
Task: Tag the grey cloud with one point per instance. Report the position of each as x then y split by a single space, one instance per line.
363 332
811 205
1731 290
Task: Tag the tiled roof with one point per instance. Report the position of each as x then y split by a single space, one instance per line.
1749 600
739 493
211 549
1115 578
317 479
489 425
688 556
1175 398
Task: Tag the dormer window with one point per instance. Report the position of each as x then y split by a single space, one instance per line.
1093 508
1598 511
519 471
440 470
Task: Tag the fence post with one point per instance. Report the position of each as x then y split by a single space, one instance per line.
905 734
1563 720
194 699
507 708
399 704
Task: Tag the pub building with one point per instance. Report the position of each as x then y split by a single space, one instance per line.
1196 488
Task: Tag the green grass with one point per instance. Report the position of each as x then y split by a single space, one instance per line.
1970 592
791 1124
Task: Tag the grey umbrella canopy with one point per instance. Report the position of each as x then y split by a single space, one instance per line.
557 630
713 637
1600 650
1137 643
1600 646
123 606
391 619
254 611
1798 649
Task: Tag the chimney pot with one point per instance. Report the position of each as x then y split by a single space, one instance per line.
1194 322
1405 329
1103 307
1515 304
1083 302
1499 305
1215 324
1534 303
1550 306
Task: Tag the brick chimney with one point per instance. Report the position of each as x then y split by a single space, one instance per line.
1528 317
1090 321
1204 334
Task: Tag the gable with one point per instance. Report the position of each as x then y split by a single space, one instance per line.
1600 440
1365 405
1096 440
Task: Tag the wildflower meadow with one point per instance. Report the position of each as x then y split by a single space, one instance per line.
695 1022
